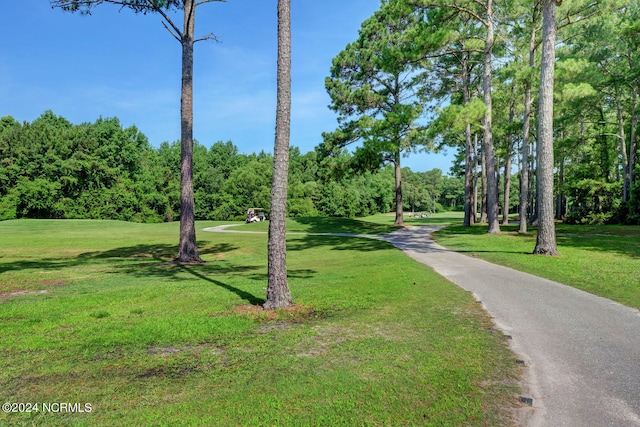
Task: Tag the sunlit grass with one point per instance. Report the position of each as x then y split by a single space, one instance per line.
603 260
377 339
326 225
424 218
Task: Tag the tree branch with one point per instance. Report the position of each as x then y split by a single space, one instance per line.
469 12
209 36
577 16
176 30
173 34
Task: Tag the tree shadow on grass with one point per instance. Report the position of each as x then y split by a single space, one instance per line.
159 252
44 265
174 272
604 238
162 267
149 260
250 298
343 225
462 251
291 274
337 243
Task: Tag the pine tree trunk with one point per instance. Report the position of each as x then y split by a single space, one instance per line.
507 190
526 127
398 174
509 161
533 186
474 209
468 161
560 201
546 238
623 153
483 193
633 146
524 180
188 250
487 140
469 212
278 294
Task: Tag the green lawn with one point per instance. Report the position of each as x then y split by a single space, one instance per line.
367 225
603 260
445 218
376 338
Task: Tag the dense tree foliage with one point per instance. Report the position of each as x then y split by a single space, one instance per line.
486 73
375 86
51 168
469 71
187 250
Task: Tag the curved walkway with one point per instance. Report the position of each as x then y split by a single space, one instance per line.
582 351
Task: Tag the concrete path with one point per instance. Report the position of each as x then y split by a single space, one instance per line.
582 351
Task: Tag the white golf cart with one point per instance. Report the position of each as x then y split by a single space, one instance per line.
255 215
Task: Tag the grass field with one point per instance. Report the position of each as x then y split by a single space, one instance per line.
603 260
92 312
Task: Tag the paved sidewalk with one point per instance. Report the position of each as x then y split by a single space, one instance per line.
582 351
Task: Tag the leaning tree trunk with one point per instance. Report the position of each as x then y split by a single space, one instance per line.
278 294
546 238
188 250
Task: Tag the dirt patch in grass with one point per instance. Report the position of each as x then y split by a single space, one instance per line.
169 371
297 312
22 293
273 320
170 350
41 287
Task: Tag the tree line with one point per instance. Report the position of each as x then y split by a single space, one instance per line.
546 88
51 168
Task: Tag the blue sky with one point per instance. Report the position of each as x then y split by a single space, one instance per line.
117 64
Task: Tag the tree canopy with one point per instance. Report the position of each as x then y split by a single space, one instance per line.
51 168
377 90
416 77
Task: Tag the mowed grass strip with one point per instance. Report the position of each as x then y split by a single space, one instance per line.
376 338
603 260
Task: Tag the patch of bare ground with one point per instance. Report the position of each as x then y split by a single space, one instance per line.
295 313
168 351
327 336
324 339
46 284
